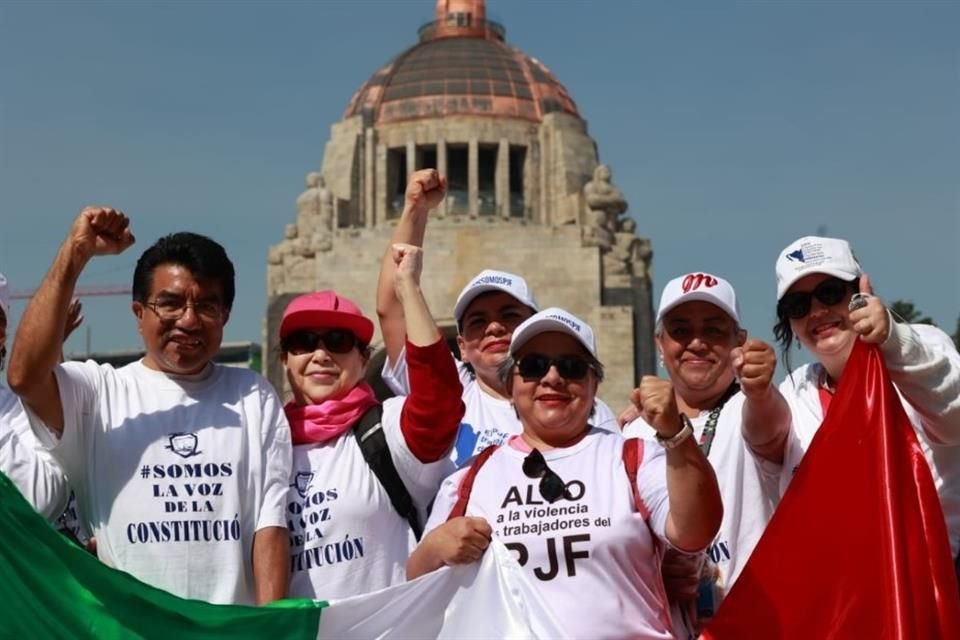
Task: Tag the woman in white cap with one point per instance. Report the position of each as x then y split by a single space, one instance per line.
825 302
363 474
586 512
37 476
487 311
724 383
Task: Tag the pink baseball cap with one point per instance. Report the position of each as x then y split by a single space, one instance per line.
325 310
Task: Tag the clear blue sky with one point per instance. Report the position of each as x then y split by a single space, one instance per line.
732 128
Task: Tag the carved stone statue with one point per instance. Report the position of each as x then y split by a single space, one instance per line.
602 196
605 205
596 232
630 254
315 207
285 247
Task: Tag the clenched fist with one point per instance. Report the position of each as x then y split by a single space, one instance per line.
409 262
755 363
657 404
425 190
100 231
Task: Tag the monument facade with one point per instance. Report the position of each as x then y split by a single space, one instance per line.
526 194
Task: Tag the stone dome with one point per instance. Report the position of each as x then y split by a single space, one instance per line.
461 69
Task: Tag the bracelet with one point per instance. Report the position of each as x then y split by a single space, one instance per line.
675 440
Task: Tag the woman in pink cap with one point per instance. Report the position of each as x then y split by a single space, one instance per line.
363 473
825 302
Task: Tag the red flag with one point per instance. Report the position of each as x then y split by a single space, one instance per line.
858 547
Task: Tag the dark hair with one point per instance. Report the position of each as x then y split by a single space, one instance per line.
203 257
784 333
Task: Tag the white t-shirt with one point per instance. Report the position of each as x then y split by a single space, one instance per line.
595 559
345 536
487 420
749 487
174 475
38 477
925 369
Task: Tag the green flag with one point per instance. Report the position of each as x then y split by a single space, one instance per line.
50 588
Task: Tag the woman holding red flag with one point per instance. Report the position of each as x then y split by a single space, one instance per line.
825 301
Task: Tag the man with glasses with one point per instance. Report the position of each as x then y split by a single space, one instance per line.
723 383
180 466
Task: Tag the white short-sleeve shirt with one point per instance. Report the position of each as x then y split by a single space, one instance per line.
175 475
594 545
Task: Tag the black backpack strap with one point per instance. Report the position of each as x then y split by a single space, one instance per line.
373 444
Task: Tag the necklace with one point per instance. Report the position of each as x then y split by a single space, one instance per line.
710 429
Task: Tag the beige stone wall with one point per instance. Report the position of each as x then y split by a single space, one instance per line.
545 248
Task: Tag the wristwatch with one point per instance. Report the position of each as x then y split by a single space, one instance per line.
675 440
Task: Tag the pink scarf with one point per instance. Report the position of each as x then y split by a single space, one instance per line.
325 421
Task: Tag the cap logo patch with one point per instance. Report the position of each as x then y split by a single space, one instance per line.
796 256
494 280
694 281
567 321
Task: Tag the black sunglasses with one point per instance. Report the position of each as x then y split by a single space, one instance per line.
334 341
829 292
536 365
552 487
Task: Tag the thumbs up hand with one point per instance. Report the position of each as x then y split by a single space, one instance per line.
868 315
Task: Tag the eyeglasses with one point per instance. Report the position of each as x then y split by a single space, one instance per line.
552 486
536 365
170 309
299 343
797 305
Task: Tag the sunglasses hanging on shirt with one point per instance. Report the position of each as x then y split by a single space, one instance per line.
552 487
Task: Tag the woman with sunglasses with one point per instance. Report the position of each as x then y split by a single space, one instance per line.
346 537
825 302
587 513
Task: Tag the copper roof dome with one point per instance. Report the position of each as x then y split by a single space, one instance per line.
461 66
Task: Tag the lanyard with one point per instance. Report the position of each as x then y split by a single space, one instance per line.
710 429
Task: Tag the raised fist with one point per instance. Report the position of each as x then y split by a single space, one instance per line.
657 404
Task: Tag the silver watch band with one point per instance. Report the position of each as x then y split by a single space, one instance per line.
675 440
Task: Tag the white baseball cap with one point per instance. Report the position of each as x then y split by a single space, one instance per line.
811 254
491 280
4 296
554 319
703 287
